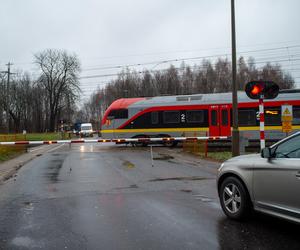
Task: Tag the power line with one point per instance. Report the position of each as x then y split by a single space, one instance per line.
144 71
190 51
186 58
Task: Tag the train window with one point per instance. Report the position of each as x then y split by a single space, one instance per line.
196 98
119 113
154 117
273 116
247 117
296 116
214 118
224 114
171 117
189 98
194 116
182 98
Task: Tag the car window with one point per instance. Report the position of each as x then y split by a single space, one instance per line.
86 128
288 149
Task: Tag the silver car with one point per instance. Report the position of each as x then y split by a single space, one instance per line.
268 182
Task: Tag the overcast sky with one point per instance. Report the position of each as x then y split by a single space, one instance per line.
122 32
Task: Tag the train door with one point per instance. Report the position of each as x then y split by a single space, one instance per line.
219 120
214 129
225 129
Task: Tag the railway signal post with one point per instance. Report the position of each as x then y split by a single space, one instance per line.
262 122
262 90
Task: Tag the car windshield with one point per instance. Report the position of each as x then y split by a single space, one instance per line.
288 149
86 128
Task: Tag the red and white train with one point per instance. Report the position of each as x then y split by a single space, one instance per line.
210 114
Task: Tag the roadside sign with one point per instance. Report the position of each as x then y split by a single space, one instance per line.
287 126
286 113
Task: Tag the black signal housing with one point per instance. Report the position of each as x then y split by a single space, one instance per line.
259 89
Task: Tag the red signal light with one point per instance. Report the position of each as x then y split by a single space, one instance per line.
255 90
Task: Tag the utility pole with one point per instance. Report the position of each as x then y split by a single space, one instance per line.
235 127
7 95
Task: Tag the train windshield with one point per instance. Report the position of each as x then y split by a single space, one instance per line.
119 113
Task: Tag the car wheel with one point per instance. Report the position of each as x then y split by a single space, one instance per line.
234 199
141 144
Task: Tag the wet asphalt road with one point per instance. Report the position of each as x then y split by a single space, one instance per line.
110 197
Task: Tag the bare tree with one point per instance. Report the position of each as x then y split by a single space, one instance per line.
59 78
276 74
187 80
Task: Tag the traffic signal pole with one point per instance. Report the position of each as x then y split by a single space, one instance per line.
235 129
262 122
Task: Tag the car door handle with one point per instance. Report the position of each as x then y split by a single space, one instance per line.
298 175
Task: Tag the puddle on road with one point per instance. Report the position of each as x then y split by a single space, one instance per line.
27 208
23 241
129 187
163 157
128 165
186 190
213 203
182 178
202 198
54 167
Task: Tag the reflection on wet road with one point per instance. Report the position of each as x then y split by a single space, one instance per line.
110 197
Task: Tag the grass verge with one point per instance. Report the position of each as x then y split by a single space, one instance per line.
34 137
216 156
9 152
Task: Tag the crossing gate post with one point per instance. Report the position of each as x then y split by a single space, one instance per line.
262 122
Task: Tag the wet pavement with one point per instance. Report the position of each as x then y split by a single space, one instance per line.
95 196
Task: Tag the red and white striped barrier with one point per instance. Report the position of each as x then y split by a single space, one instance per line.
262 122
125 140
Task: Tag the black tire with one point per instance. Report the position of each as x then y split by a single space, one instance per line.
239 196
141 144
171 144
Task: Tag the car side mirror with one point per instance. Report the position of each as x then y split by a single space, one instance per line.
266 153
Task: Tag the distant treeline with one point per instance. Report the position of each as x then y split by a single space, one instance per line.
208 77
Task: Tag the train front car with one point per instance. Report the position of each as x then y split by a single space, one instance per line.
118 113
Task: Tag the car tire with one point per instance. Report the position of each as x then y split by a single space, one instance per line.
234 199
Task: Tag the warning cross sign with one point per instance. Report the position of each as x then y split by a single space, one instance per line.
286 113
